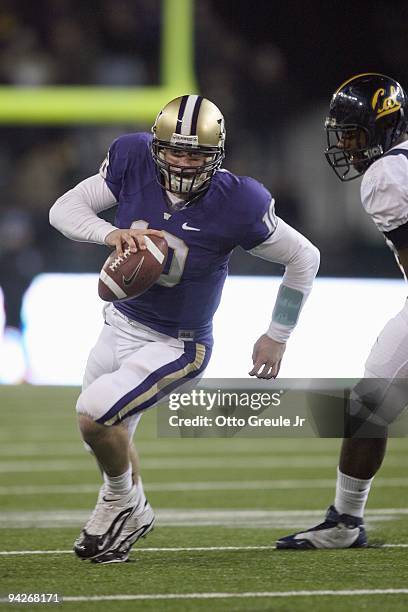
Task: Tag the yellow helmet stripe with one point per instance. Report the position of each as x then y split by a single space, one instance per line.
358 76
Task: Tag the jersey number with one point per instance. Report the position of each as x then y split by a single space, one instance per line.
178 254
269 217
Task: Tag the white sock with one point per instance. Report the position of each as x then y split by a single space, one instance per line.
351 494
119 485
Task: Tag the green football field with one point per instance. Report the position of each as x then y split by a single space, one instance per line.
220 503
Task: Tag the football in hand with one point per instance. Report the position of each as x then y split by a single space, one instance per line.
130 275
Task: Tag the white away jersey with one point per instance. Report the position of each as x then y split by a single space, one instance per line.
384 190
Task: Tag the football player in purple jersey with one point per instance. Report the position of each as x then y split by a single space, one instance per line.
366 136
169 182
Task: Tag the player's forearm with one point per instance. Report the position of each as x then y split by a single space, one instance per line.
74 214
301 259
293 292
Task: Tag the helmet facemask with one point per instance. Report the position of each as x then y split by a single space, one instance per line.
185 180
349 149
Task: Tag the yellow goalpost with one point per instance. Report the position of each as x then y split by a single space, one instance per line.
81 104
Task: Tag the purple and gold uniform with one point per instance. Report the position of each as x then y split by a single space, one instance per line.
151 345
233 211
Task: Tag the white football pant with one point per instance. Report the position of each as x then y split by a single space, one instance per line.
389 356
132 367
383 393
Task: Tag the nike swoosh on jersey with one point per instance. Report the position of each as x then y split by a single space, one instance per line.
185 226
131 278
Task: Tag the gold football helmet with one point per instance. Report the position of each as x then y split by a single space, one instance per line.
194 125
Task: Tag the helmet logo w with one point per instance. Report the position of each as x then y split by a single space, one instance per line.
384 105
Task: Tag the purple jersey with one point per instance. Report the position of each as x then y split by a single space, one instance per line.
233 211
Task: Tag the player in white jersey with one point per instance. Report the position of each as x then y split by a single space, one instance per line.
366 132
169 180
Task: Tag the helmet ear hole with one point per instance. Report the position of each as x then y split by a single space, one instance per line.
393 127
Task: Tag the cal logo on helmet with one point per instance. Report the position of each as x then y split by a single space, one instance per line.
384 102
